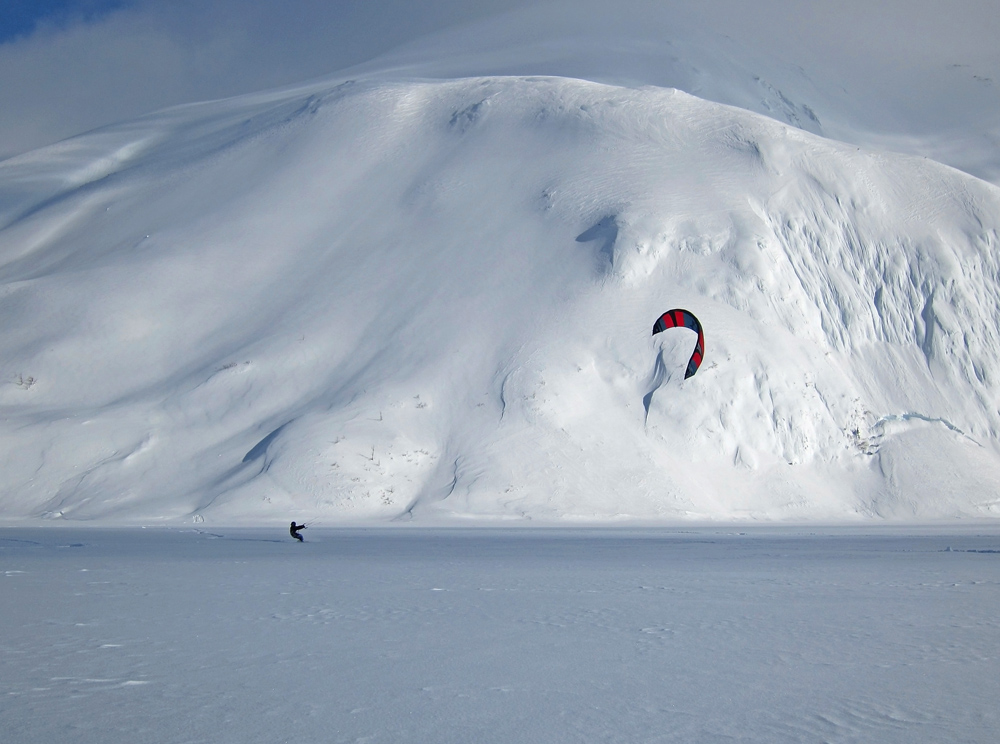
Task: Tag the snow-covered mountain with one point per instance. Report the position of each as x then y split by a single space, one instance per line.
388 298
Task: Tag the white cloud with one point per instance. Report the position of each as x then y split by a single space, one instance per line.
936 60
70 78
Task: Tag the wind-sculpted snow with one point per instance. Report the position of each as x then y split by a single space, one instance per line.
434 301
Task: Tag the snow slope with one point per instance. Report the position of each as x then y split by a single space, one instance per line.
433 300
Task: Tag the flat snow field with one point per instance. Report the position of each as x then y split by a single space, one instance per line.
500 635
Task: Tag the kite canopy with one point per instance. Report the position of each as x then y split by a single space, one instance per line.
678 318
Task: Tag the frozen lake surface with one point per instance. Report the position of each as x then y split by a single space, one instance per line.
428 635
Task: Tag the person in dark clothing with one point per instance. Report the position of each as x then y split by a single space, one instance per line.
294 531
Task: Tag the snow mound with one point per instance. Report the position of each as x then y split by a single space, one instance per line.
434 300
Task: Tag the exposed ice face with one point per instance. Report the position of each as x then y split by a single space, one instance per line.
433 300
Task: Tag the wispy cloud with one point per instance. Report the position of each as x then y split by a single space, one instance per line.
67 67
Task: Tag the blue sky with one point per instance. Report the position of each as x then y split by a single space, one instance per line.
22 17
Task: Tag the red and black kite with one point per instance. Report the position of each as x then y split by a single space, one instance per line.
678 318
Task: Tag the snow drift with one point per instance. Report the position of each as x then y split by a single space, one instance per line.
432 300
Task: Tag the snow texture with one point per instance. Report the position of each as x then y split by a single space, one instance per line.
433 300
775 636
